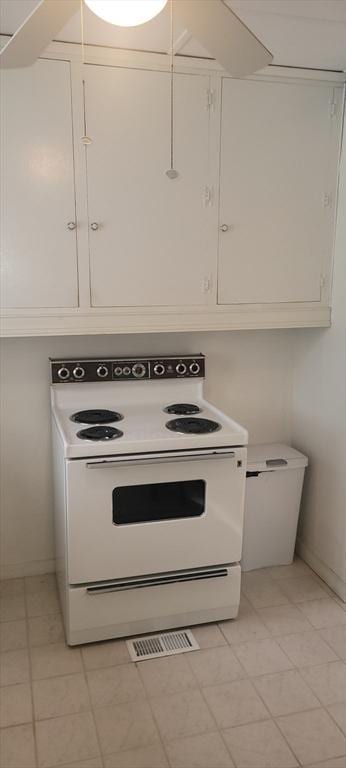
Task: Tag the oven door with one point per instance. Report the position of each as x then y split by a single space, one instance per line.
153 513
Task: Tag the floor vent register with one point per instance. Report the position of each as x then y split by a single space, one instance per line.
167 644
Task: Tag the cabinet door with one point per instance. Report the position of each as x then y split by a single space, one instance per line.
38 251
275 180
153 241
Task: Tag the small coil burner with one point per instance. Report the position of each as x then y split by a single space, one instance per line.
96 416
193 426
182 409
99 433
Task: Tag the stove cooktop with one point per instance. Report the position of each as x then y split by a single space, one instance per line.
140 405
100 432
96 416
182 409
192 426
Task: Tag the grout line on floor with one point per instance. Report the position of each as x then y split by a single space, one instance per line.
91 705
34 721
306 711
334 720
337 626
161 741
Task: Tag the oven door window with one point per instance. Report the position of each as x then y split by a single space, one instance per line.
158 501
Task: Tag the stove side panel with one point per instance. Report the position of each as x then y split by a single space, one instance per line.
60 540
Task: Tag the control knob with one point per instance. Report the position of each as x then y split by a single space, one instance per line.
78 372
180 368
159 369
138 370
102 371
126 370
118 371
195 368
64 373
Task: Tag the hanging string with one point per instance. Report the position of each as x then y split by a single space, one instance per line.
85 138
172 173
172 85
82 29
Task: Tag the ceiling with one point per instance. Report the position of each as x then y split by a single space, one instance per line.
302 33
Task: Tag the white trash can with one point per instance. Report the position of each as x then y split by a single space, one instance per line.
274 481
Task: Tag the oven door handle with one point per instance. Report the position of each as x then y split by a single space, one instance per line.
159 460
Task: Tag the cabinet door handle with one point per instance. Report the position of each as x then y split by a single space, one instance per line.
71 225
94 225
225 227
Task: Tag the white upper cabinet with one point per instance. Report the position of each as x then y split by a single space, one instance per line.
95 238
38 250
279 156
152 240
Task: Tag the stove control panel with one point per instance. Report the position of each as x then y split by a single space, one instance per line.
178 367
127 369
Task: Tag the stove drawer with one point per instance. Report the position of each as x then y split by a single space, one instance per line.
153 514
102 614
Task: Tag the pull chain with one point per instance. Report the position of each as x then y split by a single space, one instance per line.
172 173
85 138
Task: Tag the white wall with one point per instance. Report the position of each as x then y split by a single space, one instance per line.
319 424
248 375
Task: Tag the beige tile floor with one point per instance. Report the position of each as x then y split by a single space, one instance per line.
267 690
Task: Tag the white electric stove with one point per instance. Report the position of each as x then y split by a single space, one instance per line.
149 497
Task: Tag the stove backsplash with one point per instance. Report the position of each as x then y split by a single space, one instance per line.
127 369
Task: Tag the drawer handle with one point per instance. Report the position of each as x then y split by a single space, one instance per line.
158 581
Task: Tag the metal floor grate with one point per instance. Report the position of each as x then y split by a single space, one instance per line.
167 644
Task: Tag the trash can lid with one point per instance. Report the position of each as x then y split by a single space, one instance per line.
269 456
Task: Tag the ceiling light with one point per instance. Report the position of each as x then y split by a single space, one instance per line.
126 13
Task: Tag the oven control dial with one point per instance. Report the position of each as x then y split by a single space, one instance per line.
63 373
138 370
126 370
180 368
159 369
78 372
102 371
195 368
118 371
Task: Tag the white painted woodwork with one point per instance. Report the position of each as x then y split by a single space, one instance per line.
277 192
156 239
39 254
43 292
157 319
